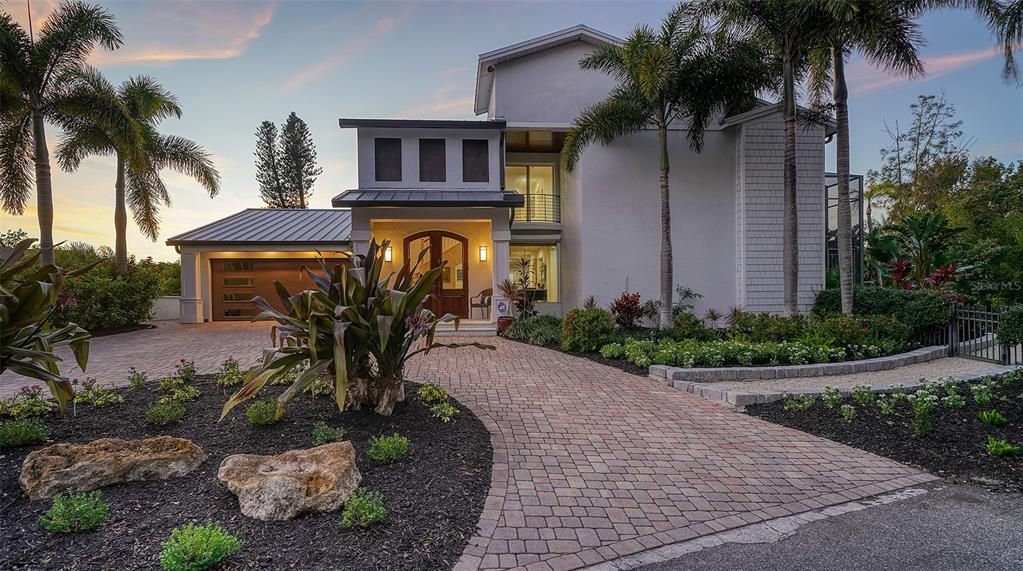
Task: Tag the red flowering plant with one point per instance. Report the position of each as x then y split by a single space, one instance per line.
627 310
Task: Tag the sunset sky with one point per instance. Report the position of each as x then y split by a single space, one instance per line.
234 64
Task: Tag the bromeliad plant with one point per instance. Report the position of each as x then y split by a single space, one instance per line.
356 326
28 298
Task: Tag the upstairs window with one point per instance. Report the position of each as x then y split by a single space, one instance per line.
475 160
387 157
432 160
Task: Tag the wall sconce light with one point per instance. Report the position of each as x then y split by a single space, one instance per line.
483 253
388 254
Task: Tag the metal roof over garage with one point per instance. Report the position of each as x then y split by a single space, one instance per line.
269 226
428 198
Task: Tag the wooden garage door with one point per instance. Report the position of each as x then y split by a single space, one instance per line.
237 281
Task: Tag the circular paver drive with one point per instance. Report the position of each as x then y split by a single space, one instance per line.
592 463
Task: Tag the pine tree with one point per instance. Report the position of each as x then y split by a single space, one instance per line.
298 161
268 167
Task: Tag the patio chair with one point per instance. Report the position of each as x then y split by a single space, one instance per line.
482 301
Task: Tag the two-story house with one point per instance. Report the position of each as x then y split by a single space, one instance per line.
478 195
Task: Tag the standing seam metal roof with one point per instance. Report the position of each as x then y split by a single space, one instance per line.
268 226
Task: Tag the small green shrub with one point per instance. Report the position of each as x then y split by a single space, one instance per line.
170 384
22 432
982 393
185 370
991 418
861 330
431 393
97 396
230 373
587 330
323 433
137 379
320 387
999 447
765 327
953 401
196 547
106 299
443 411
73 512
387 449
363 509
539 330
1010 325
886 405
261 413
832 397
693 353
685 325
864 395
164 413
848 412
799 404
182 394
923 402
28 403
919 310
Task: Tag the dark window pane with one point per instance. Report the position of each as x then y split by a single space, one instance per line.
432 165
239 282
237 266
237 297
239 312
388 159
475 161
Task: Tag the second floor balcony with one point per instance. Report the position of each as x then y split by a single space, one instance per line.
541 208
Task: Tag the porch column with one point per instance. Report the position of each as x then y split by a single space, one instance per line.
191 304
501 262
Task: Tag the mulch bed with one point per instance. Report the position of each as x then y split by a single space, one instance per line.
596 357
955 448
434 496
119 330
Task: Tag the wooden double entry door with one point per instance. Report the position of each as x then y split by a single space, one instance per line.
450 252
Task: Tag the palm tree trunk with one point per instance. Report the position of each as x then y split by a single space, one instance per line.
845 261
665 317
44 189
120 220
790 237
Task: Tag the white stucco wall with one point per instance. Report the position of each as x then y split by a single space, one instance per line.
547 87
612 226
410 157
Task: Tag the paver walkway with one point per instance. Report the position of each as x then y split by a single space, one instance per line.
592 463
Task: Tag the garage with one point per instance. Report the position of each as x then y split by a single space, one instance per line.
237 281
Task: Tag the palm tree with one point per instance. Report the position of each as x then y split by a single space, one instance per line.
784 29
1006 22
130 134
678 74
885 33
33 75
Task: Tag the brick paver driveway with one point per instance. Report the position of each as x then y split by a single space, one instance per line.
591 463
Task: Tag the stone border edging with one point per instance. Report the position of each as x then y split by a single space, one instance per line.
739 398
712 374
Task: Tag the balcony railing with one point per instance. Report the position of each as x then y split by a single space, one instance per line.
540 208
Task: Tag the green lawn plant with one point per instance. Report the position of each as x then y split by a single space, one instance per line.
261 413
431 393
137 379
886 405
97 396
22 432
799 404
982 393
29 402
363 509
323 433
831 397
991 417
923 402
387 449
848 412
444 411
999 447
74 512
354 316
196 547
185 370
230 373
864 395
165 412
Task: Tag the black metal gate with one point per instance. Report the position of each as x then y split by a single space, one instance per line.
972 333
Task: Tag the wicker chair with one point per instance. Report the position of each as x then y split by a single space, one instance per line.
481 301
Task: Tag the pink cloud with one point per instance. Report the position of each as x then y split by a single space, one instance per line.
865 78
445 104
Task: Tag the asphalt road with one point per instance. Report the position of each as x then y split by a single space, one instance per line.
950 527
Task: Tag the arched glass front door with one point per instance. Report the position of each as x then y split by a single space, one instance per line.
451 291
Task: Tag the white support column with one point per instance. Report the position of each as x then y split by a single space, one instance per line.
191 309
501 262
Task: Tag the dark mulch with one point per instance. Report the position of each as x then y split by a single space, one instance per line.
119 330
434 496
955 448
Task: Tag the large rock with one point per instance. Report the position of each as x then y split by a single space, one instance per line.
82 467
280 487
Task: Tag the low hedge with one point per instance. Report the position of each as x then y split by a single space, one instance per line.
920 310
864 330
541 330
103 299
587 330
1010 326
692 353
765 327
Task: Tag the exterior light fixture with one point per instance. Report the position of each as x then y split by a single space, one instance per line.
388 254
483 253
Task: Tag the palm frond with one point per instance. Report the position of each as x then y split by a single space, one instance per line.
187 157
87 108
16 175
147 100
145 193
81 141
70 34
603 123
15 55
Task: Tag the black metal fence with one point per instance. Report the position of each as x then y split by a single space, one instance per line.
972 333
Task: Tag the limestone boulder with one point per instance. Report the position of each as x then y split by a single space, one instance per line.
280 487
83 467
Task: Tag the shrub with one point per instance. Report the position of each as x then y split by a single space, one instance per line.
431 393
587 330
991 418
627 310
195 547
831 397
261 413
22 432
325 434
764 327
182 394
919 310
387 449
444 411
185 370
363 509
860 330
28 403
164 413
540 330
1010 326
982 394
848 412
73 512
230 373
693 353
999 447
105 299
923 402
864 395
799 404
688 326
886 405
96 395
170 384
137 379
